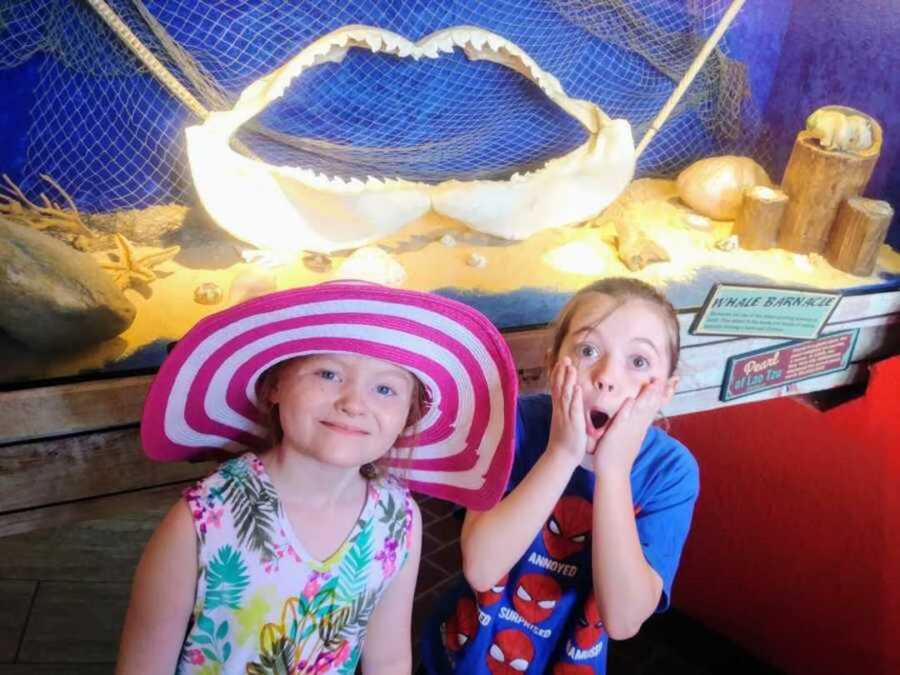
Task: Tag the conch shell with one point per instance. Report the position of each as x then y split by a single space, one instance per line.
290 209
715 186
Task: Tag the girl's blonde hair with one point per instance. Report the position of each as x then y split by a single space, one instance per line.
621 289
417 408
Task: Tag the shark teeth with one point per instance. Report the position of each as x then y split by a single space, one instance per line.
477 43
375 42
495 42
477 40
446 43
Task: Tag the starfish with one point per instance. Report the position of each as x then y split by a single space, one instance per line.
131 269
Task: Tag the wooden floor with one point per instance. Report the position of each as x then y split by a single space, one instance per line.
63 594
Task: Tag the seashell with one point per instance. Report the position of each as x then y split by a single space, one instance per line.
372 263
698 222
728 244
317 262
715 186
476 260
208 293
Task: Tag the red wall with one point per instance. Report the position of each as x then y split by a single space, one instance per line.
795 547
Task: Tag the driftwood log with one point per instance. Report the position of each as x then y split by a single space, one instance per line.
817 180
858 231
760 217
636 249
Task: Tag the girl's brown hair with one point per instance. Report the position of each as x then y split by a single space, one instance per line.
418 406
621 289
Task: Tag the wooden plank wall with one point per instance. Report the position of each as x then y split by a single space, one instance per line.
71 452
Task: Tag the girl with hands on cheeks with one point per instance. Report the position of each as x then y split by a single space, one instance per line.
598 505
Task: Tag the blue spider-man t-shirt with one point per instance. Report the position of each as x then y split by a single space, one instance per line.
542 617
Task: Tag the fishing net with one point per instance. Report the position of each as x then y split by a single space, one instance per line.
97 120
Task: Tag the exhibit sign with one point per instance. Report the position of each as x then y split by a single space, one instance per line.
764 311
786 363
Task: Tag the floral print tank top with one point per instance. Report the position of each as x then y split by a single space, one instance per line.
263 604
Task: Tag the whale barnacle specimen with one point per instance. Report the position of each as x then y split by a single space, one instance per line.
836 130
291 209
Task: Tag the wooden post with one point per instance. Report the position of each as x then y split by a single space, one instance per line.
817 181
760 218
859 230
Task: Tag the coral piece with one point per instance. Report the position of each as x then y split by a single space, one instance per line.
51 216
715 186
308 211
130 269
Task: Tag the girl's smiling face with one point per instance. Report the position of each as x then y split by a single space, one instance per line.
342 409
616 347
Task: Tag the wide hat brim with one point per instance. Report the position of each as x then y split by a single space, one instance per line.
204 397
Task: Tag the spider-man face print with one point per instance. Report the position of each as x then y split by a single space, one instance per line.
536 596
572 669
568 527
462 626
489 597
511 653
588 626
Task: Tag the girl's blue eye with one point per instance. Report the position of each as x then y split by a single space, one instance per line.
587 351
385 390
327 374
640 362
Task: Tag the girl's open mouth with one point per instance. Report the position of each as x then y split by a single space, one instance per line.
599 419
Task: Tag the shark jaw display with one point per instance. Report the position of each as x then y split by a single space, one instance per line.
290 209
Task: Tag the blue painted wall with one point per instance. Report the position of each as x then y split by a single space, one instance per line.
847 53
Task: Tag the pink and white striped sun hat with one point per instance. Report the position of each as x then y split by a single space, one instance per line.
204 396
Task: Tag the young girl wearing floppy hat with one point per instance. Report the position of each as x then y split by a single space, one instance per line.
585 544
301 555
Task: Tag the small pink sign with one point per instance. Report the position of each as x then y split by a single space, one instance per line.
789 362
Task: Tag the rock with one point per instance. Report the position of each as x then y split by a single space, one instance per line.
53 298
448 240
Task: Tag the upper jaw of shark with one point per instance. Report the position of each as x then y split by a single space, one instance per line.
292 209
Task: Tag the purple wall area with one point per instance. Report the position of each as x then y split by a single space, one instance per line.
846 53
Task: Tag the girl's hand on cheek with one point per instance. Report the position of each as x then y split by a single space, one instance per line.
567 426
619 446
